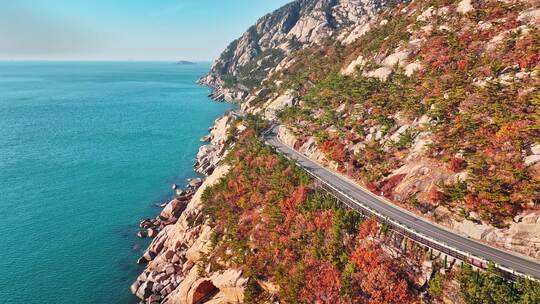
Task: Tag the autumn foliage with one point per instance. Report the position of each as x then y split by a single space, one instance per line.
272 223
335 149
435 195
392 182
323 284
368 228
457 164
379 276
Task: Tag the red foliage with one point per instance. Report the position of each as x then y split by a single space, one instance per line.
496 10
457 164
299 143
271 162
297 197
256 198
378 276
314 77
204 290
367 258
372 187
391 183
247 222
289 206
463 65
323 220
435 195
237 187
368 228
247 135
529 57
436 52
466 37
511 130
323 284
335 149
472 203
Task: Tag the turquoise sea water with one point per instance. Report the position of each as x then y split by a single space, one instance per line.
85 151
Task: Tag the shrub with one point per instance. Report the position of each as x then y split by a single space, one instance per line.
436 285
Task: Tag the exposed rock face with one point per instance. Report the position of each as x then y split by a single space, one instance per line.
171 275
231 284
170 213
296 25
523 235
209 155
464 7
202 290
181 238
307 146
534 157
350 69
273 107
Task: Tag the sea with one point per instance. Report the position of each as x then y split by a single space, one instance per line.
86 151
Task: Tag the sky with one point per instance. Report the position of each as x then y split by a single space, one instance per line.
197 30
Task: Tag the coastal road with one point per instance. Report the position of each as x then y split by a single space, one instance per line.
507 261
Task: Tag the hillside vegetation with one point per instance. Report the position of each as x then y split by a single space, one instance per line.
473 93
270 221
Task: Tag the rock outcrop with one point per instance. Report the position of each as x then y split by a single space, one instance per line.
172 274
252 57
272 107
522 235
171 211
209 155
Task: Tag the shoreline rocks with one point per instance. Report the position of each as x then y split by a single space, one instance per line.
150 227
171 275
211 154
219 92
180 238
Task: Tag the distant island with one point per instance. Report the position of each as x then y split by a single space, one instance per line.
185 62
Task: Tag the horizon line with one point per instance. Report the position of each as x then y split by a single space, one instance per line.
99 60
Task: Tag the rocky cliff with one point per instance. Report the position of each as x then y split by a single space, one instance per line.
171 274
248 60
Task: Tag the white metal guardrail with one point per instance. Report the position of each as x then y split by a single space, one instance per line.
407 231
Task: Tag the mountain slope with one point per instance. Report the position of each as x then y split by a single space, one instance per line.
248 60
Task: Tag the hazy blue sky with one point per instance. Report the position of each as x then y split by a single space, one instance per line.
124 29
